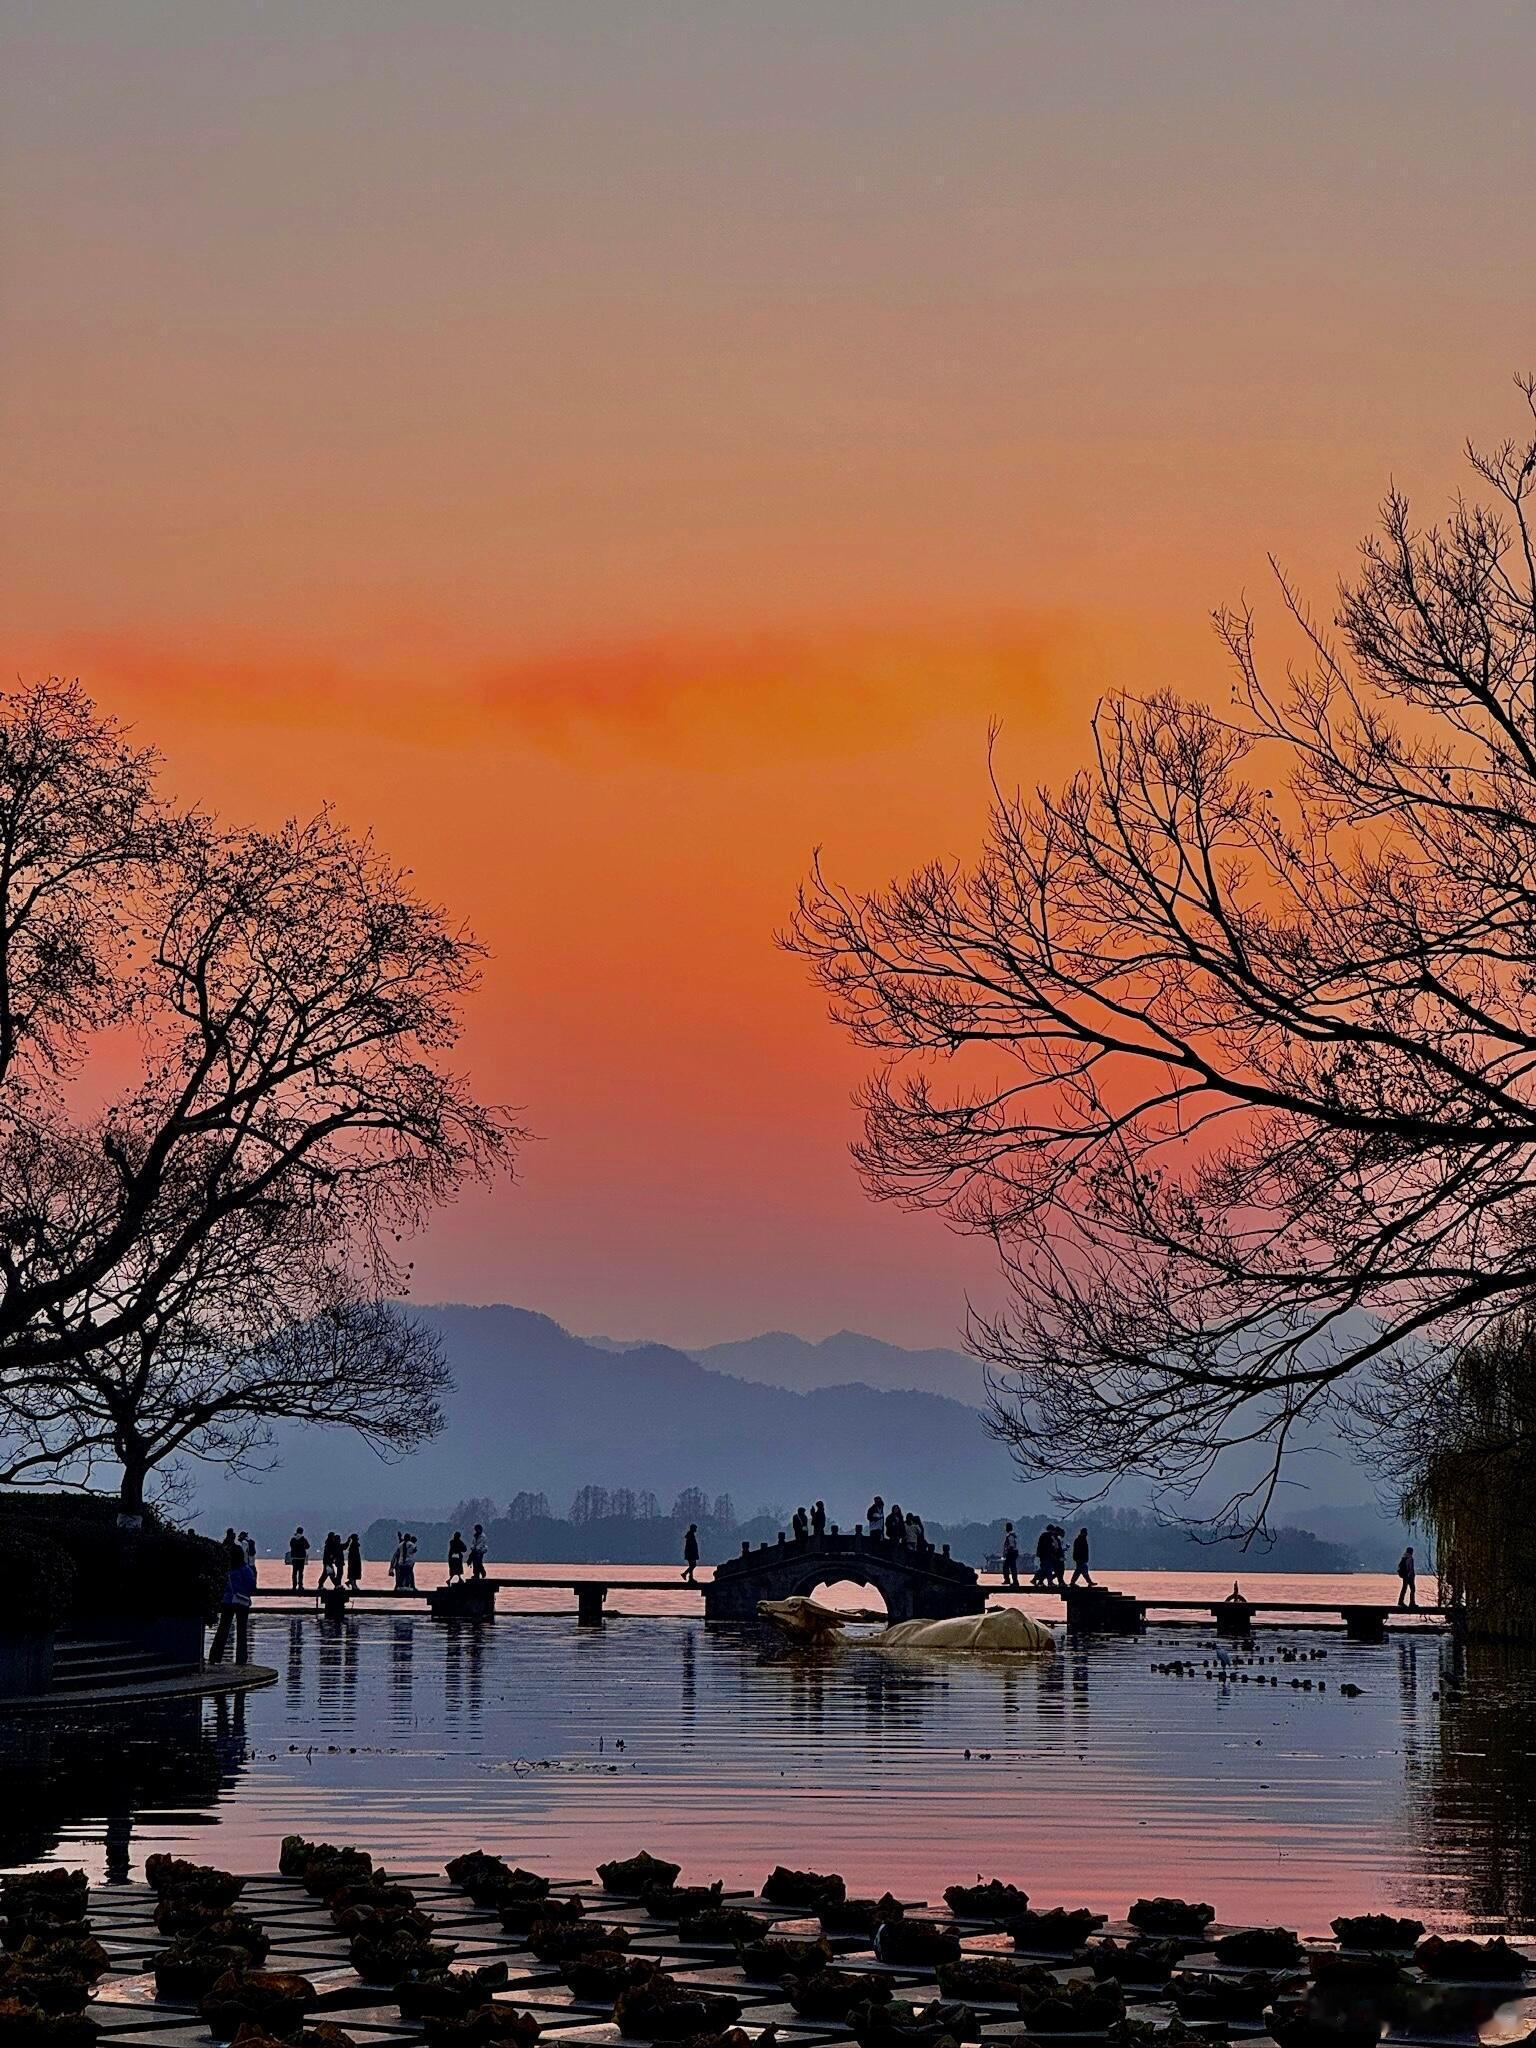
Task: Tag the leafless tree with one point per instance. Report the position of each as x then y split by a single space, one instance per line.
282 1003
1230 1044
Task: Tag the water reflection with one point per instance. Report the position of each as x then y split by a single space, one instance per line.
1477 1780
167 1765
1086 1777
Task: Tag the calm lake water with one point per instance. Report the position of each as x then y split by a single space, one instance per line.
1087 1777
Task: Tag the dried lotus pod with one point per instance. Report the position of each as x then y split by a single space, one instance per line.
989 1900
632 1876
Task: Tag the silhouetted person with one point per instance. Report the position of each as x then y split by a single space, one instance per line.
915 1535
402 1565
1080 1559
874 1517
819 1519
354 1562
456 1556
234 1609
895 1525
800 1525
1045 1557
690 1553
298 1557
331 1557
1408 1573
1010 1555
247 1545
477 1552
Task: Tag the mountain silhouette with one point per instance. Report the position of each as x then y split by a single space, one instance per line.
534 1406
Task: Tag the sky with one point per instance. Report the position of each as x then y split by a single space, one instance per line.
613 447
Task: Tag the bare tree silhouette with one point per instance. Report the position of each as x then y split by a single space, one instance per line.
1230 1043
229 1216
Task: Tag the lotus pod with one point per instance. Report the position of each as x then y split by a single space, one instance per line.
321 2035
672 1901
561 1941
1199 1995
448 1994
632 1876
733 2037
660 2010
384 1958
808 1888
1171 1916
373 1896
832 1994
481 2026
24 2026
62 1894
923 1942
385 1920
992 1979
1377 1931
992 1900
598 1978
720 1926
1077 2006
1146 1959
1470 1962
1059 1932
41 1930
774 1956
521 1911
190 1967
898 2024
43 1984
182 1913
1260 1948
858 1916
274 2000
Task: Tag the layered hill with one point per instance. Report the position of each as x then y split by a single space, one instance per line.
536 1407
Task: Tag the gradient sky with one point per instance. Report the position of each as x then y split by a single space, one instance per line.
611 448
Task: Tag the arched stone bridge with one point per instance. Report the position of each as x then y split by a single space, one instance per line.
917 1583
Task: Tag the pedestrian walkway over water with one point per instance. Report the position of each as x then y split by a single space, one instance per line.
1102 1608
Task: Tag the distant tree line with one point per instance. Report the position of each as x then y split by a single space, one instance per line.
621 1526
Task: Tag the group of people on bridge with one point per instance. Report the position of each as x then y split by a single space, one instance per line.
1050 1572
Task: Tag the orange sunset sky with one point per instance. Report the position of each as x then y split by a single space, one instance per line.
611 446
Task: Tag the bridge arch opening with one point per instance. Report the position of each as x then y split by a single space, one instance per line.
848 1597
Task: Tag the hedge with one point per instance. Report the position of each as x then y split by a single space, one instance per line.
63 1557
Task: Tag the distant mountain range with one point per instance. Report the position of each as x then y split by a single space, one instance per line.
780 1359
775 1419
536 1407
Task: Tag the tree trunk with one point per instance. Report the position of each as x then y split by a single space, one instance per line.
130 1492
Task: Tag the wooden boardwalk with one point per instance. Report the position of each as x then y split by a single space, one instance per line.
1113 1612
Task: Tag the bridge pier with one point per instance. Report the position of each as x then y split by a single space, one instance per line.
589 1605
1365 1624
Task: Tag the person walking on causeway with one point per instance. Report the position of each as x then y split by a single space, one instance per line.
1080 1558
1408 1574
690 1553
